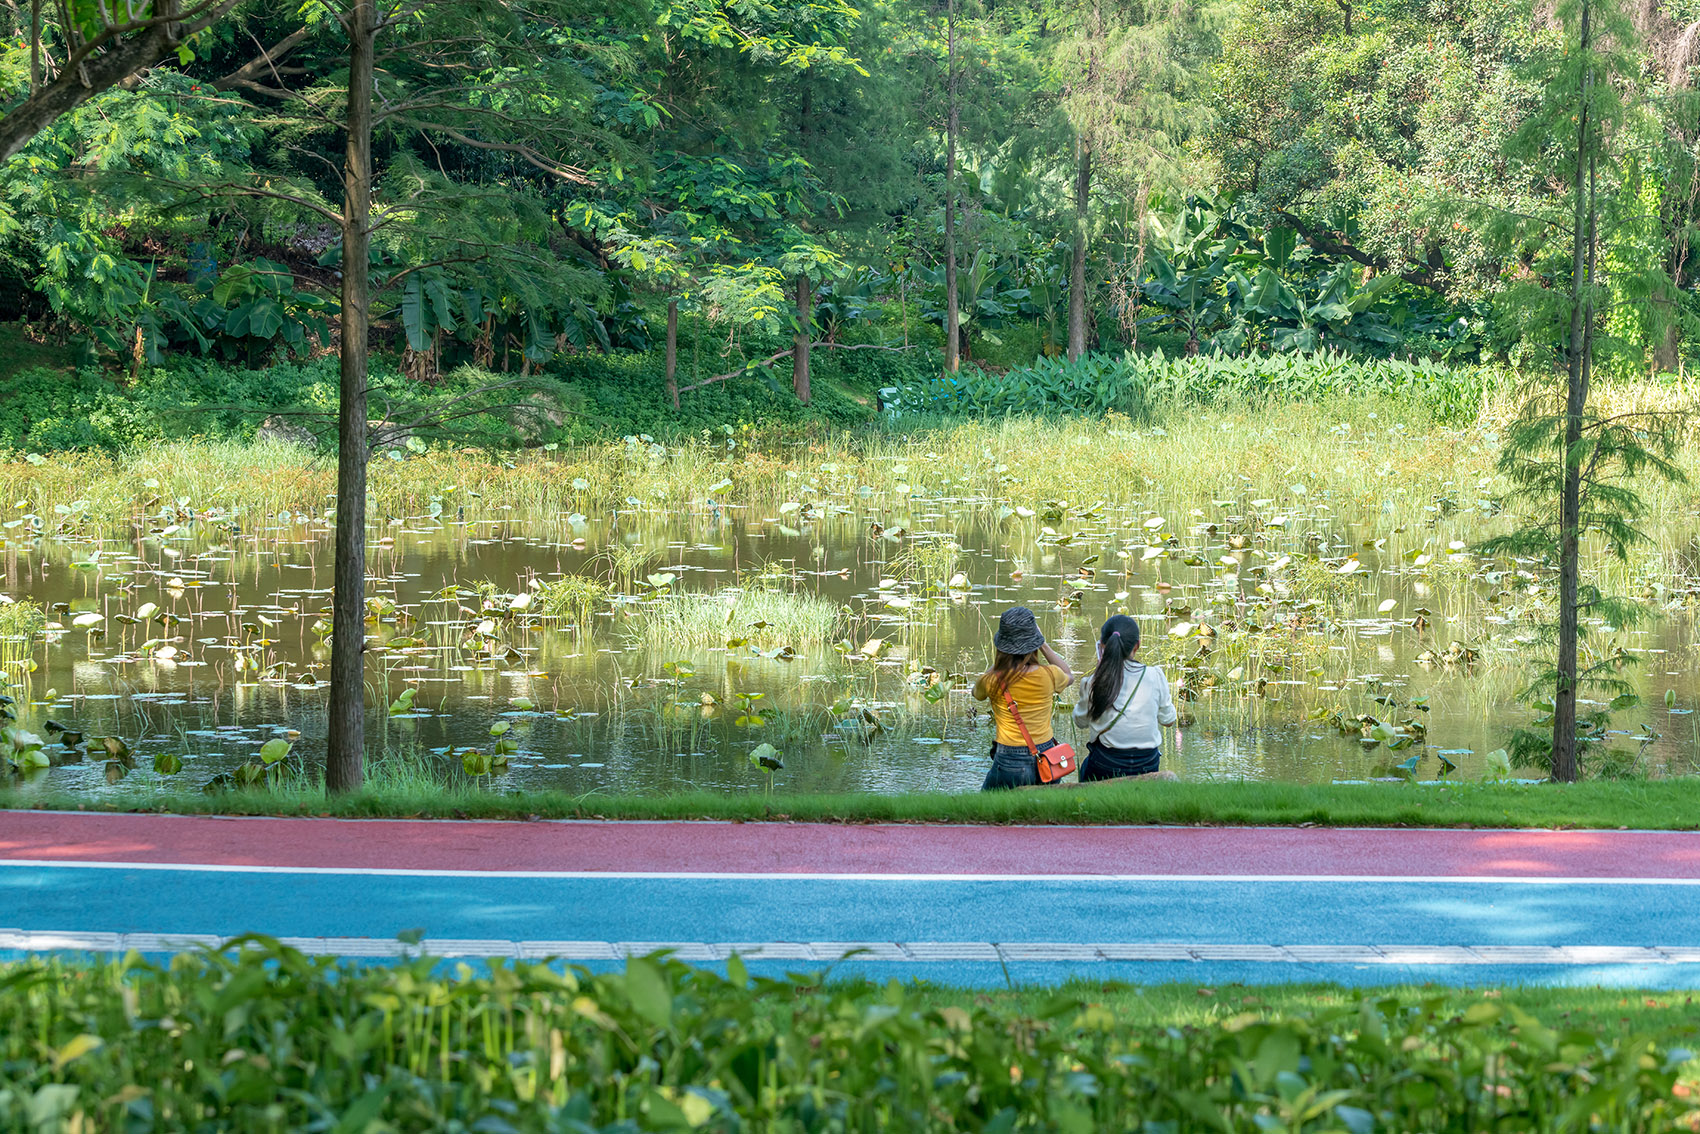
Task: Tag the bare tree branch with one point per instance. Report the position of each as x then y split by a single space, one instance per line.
117 53
266 63
773 358
525 153
228 191
1423 273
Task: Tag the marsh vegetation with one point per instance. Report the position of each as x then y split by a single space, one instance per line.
638 617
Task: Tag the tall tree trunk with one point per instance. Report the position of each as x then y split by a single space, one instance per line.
952 332
1077 270
1576 400
803 340
673 350
903 299
346 735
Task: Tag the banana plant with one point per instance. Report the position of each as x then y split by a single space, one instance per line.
985 301
247 311
1268 308
1188 265
1193 299
852 299
1047 300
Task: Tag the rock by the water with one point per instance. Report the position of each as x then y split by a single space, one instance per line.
280 431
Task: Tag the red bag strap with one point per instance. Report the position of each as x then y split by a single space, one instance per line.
1021 724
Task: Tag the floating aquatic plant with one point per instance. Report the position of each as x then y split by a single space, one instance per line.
572 596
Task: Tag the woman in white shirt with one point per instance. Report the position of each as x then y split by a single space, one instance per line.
1124 705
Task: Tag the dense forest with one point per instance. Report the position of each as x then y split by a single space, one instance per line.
674 211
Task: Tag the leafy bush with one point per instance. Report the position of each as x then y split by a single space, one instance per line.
41 397
621 394
246 312
47 410
271 1040
1131 384
1093 383
20 622
583 398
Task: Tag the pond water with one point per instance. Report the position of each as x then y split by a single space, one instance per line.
1291 635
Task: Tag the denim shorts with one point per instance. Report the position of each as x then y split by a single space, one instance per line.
1105 763
1013 766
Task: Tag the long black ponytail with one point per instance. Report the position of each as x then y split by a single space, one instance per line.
1120 637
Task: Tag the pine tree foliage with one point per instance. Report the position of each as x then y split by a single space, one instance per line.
1576 467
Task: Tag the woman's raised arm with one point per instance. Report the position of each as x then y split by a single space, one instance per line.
1056 659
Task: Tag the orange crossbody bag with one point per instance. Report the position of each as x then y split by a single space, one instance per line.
1054 762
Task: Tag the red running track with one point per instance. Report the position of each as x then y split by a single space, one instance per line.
785 848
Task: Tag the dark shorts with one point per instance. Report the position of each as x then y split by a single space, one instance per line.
1013 766
1104 763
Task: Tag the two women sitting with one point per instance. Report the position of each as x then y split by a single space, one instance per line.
1123 705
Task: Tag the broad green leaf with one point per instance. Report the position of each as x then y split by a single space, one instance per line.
413 314
649 992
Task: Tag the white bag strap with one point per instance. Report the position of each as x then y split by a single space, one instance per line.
1096 733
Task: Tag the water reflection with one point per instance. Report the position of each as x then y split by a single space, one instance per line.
1276 648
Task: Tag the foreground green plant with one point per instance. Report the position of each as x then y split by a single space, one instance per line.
572 596
266 1039
21 624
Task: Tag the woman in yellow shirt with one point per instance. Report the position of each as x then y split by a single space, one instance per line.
1028 672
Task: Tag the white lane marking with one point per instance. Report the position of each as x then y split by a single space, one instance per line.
926 952
810 876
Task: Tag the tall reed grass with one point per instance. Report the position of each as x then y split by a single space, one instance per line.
1374 453
759 617
21 626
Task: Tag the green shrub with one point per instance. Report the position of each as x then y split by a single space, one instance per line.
592 396
1131 384
48 410
583 396
272 1041
624 394
51 400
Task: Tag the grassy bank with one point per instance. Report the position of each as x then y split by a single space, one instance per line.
1660 804
51 402
271 1041
1605 1011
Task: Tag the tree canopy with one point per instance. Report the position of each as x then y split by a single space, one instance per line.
1230 175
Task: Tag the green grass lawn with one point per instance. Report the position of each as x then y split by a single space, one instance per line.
1664 804
1605 1011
